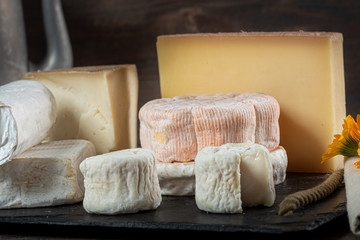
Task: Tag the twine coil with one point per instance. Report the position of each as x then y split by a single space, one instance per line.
300 199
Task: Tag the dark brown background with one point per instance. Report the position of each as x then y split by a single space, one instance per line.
122 32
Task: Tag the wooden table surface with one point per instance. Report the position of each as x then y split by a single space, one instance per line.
124 32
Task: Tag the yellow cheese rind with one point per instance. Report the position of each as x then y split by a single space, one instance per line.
302 70
96 103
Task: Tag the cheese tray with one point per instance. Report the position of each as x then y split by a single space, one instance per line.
181 213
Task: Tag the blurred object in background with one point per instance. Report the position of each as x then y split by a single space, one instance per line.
14 60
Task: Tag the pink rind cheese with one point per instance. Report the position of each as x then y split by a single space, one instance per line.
177 128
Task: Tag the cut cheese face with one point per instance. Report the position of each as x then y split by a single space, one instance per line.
303 71
27 114
256 169
121 182
177 128
45 175
233 176
94 103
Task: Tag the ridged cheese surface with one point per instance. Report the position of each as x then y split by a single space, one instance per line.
121 182
177 128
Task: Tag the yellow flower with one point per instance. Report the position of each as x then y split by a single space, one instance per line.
348 143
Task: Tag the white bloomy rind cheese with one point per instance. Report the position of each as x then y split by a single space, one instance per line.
256 169
45 175
178 179
177 128
279 161
121 182
96 103
233 176
218 181
303 70
27 113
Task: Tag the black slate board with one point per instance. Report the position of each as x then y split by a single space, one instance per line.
181 213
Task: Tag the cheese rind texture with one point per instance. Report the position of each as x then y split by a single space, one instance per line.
233 176
27 114
267 111
303 70
45 175
121 182
279 162
178 179
218 181
177 128
97 103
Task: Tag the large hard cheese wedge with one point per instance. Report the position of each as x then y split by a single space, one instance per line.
94 103
177 128
27 113
45 175
302 70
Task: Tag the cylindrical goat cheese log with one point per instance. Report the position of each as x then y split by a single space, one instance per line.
233 176
27 113
121 182
177 128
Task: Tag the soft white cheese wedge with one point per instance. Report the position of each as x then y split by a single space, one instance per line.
27 113
121 182
233 176
45 175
